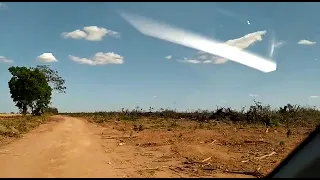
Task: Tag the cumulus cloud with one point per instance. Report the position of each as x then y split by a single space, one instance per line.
77 34
313 97
306 42
168 57
99 58
192 61
220 60
241 43
47 58
90 33
247 40
203 57
253 95
3 6
5 60
207 61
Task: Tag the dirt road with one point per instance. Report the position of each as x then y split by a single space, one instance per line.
67 148
73 147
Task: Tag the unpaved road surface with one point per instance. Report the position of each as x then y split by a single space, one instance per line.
67 148
73 147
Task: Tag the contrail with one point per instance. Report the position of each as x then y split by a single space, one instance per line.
179 36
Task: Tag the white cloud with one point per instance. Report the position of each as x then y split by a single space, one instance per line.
77 34
99 58
47 57
192 61
203 57
5 60
90 33
113 34
241 43
220 61
207 61
247 40
253 95
168 57
306 42
3 6
313 97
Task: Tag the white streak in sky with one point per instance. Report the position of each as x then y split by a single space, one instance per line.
274 45
179 36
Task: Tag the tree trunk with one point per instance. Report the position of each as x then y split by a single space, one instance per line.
37 112
24 110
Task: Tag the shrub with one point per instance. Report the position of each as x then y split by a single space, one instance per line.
288 115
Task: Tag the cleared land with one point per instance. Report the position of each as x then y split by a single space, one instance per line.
74 147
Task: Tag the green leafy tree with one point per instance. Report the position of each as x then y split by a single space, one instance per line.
42 93
21 86
53 78
29 87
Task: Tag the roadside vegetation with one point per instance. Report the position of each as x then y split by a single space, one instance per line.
17 125
288 116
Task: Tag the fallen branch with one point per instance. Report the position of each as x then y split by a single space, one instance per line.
245 161
268 155
155 168
213 141
206 159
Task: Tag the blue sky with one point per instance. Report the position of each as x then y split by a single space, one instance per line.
133 69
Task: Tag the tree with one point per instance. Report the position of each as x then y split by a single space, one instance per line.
29 87
53 78
21 86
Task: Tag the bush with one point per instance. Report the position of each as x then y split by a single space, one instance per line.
288 115
52 110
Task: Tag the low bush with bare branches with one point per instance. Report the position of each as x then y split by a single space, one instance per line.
288 115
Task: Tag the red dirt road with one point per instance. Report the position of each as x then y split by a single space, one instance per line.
73 147
68 148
